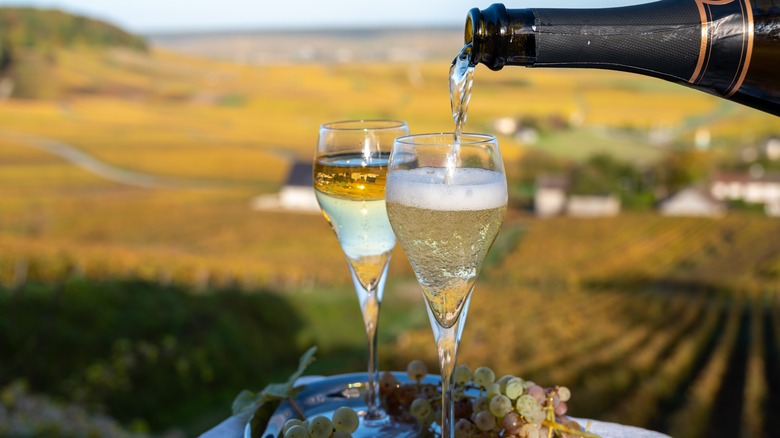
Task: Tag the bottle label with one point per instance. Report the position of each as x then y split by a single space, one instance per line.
726 45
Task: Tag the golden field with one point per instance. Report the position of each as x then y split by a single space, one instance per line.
231 131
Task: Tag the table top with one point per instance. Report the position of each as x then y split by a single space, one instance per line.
234 427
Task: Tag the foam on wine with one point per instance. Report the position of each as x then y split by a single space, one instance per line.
466 188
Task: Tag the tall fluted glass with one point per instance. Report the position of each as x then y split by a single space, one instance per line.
350 170
446 203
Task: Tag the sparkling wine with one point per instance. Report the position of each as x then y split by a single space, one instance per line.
350 190
461 80
446 228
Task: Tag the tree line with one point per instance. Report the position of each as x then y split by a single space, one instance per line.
31 28
30 39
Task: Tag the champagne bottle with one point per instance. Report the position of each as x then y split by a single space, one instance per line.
730 48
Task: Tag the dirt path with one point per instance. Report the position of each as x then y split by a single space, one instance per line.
103 169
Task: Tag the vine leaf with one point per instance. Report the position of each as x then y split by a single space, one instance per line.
250 401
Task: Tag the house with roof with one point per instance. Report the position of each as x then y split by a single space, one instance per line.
752 189
297 193
552 198
692 202
550 195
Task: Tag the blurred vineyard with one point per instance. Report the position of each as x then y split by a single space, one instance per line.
667 324
155 303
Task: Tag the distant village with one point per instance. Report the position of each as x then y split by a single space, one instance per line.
753 185
552 194
710 199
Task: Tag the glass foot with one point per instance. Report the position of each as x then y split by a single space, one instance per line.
384 426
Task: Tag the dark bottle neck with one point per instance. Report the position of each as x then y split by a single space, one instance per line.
501 36
698 43
658 39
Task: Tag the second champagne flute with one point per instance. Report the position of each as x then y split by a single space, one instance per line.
350 170
446 203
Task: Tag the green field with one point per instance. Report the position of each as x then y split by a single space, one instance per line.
652 321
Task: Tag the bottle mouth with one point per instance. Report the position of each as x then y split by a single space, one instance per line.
500 37
474 35
486 30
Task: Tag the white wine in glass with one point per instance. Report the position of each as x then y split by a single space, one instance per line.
350 170
446 203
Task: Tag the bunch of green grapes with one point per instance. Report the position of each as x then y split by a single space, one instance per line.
509 407
485 407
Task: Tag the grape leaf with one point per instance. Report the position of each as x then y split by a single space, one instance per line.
242 401
247 400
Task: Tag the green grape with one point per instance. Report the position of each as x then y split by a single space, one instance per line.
341 434
345 419
416 370
320 427
527 405
462 374
564 393
420 408
485 421
481 404
296 431
290 423
493 390
515 387
464 428
484 376
502 382
500 405
530 430
536 417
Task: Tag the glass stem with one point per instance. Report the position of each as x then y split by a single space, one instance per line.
447 347
371 319
370 303
447 341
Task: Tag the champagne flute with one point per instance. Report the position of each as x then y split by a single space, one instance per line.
350 170
446 202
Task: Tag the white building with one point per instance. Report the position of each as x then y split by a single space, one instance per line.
763 189
593 205
550 195
297 194
552 199
692 201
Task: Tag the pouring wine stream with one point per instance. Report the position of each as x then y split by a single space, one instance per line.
461 79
